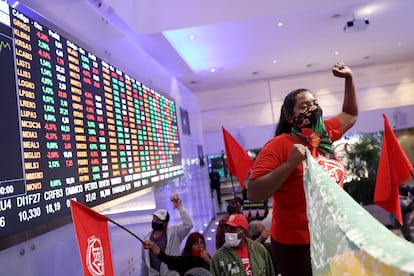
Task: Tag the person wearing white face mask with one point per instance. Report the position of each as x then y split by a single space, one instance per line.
239 255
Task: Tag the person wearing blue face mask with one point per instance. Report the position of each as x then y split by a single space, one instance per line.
278 170
167 238
239 255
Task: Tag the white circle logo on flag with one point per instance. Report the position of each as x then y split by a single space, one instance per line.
95 256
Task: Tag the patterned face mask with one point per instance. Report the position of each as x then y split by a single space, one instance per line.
309 125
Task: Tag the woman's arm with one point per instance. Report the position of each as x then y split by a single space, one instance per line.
263 187
177 263
349 113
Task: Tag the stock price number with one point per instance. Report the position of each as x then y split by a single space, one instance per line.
90 197
27 215
52 208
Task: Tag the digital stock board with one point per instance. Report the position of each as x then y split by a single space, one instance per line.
72 127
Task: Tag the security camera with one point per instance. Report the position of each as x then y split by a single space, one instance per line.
356 25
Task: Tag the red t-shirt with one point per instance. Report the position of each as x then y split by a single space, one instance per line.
244 256
289 222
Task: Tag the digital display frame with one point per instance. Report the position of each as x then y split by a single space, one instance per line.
72 127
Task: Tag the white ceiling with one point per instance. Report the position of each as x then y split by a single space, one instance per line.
240 38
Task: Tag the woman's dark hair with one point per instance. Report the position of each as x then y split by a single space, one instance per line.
192 239
287 109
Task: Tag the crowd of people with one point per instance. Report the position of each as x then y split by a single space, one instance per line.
240 245
243 249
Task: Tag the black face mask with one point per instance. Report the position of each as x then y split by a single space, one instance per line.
233 209
157 226
254 237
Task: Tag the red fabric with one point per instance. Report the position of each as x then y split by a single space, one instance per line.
243 253
289 221
93 240
239 162
394 168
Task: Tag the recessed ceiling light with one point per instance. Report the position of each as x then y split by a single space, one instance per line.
274 61
280 24
192 37
212 70
336 53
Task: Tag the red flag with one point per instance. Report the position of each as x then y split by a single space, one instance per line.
394 168
239 162
93 240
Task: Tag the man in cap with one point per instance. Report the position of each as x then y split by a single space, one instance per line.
168 238
239 255
234 206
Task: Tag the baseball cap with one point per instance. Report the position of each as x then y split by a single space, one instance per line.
237 220
162 214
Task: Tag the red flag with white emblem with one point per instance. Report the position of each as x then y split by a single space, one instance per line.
93 239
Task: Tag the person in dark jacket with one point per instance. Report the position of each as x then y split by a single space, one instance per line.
215 184
194 254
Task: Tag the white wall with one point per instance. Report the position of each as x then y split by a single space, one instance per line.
250 113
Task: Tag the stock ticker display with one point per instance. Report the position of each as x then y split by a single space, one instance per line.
73 127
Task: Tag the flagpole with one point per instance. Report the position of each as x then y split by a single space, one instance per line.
232 185
126 229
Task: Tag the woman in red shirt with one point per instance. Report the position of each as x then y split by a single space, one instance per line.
278 169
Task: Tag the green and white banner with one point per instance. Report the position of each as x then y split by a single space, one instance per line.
345 238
